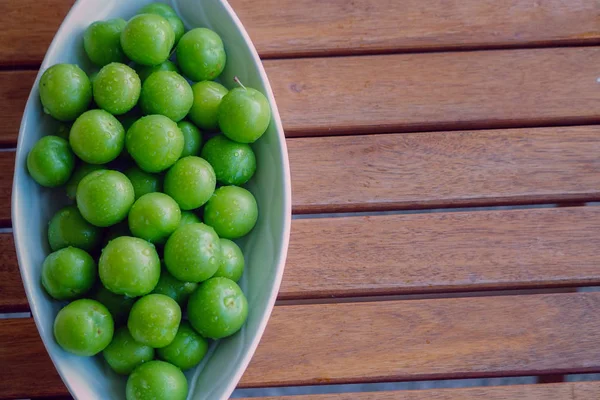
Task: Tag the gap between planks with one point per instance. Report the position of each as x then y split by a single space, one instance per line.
416 340
409 92
284 28
410 254
430 170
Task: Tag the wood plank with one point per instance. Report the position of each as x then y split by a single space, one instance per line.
445 169
442 252
12 293
7 168
421 339
437 91
28 27
561 391
413 92
35 375
430 170
418 254
428 339
14 90
283 28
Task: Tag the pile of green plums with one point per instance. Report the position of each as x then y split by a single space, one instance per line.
131 253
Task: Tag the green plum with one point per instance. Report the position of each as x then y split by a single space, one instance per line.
153 217
84 327
148 39
218 308
51 161
205 109
65 91
186 350
166 93
167 12
161 9
155 142
68 228
104 197
178 27
232 212
234 163
68 273
102 41
201 54
144 71
244 115
193 253
124 354
192 138
117 88
191 182
80 172
232 261
154 320
177 290
144 182
156 380
129 266
117 304
97 137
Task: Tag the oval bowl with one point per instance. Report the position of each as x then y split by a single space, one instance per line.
265 248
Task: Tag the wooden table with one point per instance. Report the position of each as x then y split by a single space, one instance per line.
426 105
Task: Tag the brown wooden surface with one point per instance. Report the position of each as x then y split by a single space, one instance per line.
441 252
428 339
445 169
14 90
12 294
412 92
425 253
366 26
402 171
7 167
33 375
394 93
312 27
561 391
380 341
437 91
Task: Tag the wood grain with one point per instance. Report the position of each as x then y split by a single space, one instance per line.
34 376
428 339
381 341
430 170
442 252
14 90
28 27
417 254
411 92
561 391
284 28
445 169
12 293
437 91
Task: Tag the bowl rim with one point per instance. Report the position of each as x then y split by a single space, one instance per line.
287 197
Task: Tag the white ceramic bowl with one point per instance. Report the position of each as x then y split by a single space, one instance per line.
265 248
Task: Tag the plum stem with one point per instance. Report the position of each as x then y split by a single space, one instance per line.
237 80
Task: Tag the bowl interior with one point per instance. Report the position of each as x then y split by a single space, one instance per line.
264 248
